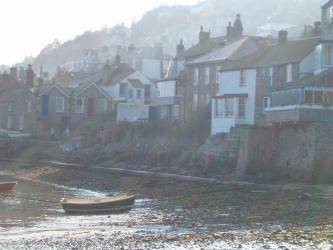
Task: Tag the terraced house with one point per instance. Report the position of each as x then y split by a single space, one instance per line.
249 87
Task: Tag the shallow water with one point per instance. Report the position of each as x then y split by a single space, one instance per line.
27 214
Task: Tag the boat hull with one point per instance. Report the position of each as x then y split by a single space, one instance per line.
7 186
120 206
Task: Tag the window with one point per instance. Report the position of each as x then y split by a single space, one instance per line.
266 103
138 94
219 107
196 76
195 102
243 79
130 93
208 100
60 104
308 97
147 91
241 107
102 105
217 77
21 122
207 72
329 13
10 122
229 107
10 107
318 97
271 75
122 89
289 73
29 107
328 54
79 107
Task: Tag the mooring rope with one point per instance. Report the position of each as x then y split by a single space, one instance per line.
28 198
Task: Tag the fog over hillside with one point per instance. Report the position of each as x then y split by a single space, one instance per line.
168 24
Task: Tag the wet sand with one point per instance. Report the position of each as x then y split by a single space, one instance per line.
182 215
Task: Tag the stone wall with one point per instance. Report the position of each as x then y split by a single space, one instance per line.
294 152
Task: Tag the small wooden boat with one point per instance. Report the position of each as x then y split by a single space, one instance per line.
118 204
7 186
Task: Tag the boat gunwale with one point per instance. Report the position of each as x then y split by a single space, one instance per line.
96 201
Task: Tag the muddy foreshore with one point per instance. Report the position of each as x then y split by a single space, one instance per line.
198 216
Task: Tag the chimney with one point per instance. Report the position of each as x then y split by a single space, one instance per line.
118 59
30 76
13 74
283 36
180 48
5 81
229 30
107 72
203 35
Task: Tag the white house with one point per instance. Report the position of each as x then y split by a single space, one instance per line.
235 103
131 94
166 104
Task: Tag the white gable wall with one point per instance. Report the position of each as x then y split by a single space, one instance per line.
312 62
230 85
152 68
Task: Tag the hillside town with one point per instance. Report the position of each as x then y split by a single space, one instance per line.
222 144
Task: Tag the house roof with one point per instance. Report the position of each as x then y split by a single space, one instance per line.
330 2
204 47
83 87
278 54
232 51
121 72
47 88
14 94
136 83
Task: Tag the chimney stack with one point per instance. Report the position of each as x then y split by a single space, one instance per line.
180 48
13 74
5 81
203 35
30 76
283 36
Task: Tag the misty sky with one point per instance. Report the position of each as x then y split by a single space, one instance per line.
27 26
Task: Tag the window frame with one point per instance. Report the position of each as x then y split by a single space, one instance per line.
243 78
196 77
62 110
81 111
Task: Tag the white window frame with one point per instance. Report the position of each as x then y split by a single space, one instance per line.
21 122
10 107
229 107
243 116
79 109
271 75
265 100
217 77
59 104
138 94
196 76
219 108
29 107
195 102
243 78
207 75
327 60
10 122
289 73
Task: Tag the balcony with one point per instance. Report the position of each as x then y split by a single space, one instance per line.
300 113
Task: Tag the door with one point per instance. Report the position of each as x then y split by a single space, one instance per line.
91 106
45 105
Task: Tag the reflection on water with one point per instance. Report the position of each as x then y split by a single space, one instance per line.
28 212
